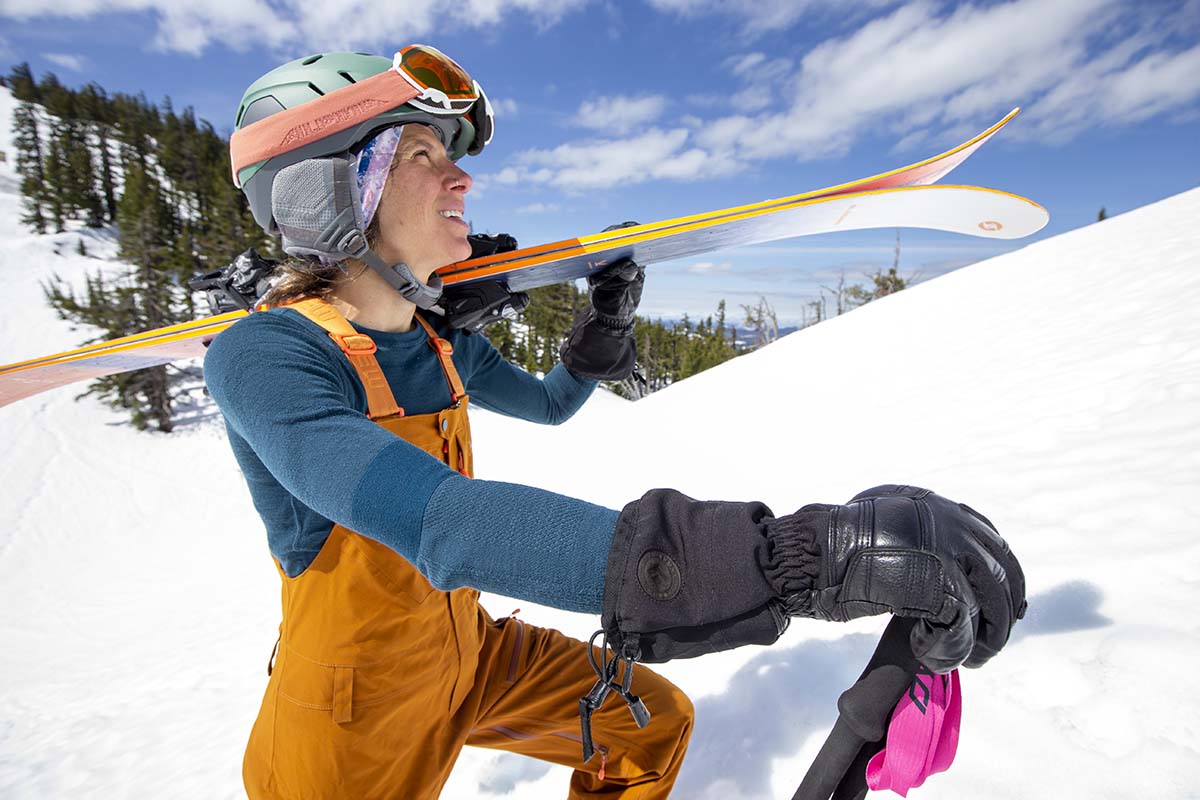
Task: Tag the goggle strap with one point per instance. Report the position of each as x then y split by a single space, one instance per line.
323 116
482 118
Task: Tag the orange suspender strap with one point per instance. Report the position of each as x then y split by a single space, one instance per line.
444 350
359 348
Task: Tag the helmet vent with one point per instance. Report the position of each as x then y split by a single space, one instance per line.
312 59
315 88
349 78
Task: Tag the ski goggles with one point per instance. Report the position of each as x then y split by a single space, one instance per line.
423 85
446 90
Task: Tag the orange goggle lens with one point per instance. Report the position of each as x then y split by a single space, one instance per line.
446 90
435 72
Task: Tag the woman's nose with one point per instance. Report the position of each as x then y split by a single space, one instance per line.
458 179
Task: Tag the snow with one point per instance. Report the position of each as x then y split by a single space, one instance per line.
1055 388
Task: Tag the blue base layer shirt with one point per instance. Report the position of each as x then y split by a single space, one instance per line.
295 412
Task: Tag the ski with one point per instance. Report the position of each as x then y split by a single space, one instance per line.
987 213
900 198
555 262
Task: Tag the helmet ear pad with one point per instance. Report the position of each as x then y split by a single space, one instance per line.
316 208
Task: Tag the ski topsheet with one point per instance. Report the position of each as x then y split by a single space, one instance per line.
900 198
547 264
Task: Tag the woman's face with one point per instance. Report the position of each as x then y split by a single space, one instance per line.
421 210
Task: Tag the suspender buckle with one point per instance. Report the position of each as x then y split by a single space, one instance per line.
355 344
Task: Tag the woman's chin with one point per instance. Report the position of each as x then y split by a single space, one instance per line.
461 252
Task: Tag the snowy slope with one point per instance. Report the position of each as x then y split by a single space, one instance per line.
1056 388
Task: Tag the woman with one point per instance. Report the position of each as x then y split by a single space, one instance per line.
346 406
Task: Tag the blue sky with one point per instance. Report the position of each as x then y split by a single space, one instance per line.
646 110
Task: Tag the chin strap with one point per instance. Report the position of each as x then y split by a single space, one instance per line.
424 295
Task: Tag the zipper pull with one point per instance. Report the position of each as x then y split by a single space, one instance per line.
594 699
641 714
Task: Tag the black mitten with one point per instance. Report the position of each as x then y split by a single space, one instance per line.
488 244
472 307
911 552
686 577
601 346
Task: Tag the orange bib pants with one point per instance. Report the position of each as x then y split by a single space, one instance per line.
380 679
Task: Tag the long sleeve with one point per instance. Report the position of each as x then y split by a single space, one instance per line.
292 409
497 385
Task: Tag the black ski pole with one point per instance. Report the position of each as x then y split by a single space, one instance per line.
839 770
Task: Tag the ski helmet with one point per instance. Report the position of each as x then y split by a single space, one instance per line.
298 129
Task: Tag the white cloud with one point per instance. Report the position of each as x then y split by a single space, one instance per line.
766 80
191 26
1114 90
923 71
75 63
710 267
619 114
600 163
758 67
764 16
537 208
504 106
187 26
927 70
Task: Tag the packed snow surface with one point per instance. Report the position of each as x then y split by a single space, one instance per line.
1056 389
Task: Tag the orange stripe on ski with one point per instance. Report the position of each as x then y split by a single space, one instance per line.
502 263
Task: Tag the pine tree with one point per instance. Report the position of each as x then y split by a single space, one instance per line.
96 110
551 314
29 166
147 296
107 184
81 175
149 235
58 100
54 179
177 212
24 87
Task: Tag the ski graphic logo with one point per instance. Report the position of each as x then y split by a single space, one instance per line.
991 225
920 691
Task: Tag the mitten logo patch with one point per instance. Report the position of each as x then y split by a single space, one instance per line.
659 575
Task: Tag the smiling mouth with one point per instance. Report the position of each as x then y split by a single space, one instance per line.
451 214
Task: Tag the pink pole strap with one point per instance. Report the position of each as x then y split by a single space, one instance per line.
922 736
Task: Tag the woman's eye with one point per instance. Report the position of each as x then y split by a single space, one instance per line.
420 153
